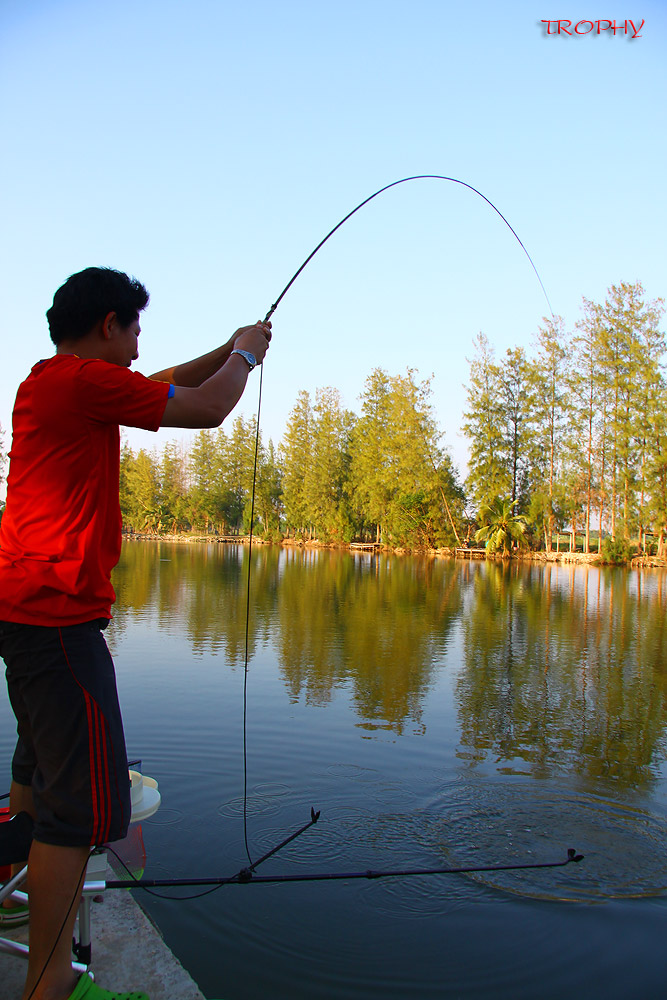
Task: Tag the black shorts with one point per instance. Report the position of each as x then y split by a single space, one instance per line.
71 747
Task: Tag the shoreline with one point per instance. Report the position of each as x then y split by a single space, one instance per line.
563 556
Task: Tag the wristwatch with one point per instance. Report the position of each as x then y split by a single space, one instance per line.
247 356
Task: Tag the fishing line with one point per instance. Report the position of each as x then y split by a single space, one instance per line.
247 875
247 625
60 932
387 187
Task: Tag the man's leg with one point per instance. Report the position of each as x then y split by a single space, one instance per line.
55 879
71 748
20 800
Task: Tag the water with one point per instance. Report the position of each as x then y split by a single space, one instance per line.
438 714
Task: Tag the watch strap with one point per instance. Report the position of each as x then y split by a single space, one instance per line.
249 358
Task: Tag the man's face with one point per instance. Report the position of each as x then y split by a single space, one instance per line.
123 347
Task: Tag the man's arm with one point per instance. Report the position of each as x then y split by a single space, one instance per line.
194 373
208 404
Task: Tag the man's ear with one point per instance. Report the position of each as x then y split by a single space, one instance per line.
108 324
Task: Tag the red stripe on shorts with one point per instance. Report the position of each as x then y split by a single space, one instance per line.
98 761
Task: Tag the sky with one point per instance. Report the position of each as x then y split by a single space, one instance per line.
207 147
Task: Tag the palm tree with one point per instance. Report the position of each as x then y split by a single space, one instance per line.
500 526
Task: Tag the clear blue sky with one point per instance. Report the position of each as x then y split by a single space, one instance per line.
207 147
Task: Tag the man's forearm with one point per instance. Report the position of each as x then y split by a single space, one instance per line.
209 387
192 374
207 405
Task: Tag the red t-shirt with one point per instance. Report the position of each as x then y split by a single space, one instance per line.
61 530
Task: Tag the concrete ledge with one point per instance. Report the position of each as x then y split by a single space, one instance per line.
128 953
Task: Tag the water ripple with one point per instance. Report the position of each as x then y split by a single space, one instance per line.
623 847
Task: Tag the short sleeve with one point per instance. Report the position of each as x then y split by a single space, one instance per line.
110 394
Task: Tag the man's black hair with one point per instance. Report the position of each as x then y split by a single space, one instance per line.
88 297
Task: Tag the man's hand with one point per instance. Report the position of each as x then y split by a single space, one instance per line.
255 339
194 373
206 403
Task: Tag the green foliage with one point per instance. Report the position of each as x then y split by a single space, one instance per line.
403 486
573 439
139 485
295 457
335 477
501 528
615 551
577 435
484 424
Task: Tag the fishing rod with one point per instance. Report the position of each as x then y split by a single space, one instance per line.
17 848
241 878
247 875
405 180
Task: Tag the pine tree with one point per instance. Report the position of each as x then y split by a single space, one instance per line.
173 489
484 426
295 457
126 463
515 397
140 481
326 485
370 484
401 479
238 468
631 346
587 425
268 492
203 474
548 410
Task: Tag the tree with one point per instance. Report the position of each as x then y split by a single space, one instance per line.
500 526
656 467
631 347
237 470
204 475
140 503
268 494
548 410
484 426
403 483
515 396
326 485
295 456
173 487
587 424
370 485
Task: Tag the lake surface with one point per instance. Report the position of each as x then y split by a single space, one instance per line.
439 714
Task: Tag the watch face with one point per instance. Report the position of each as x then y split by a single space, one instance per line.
250 358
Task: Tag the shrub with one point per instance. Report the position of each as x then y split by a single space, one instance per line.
615 551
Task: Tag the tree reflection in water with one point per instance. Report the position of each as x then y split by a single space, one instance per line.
562 668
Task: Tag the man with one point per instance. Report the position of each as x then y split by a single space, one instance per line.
59 540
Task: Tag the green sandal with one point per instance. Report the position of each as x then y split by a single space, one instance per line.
14 916
91 991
